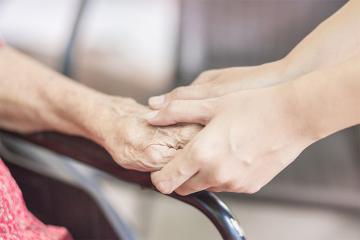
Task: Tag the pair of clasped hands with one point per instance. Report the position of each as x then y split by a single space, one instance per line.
257 120
250 132
231 130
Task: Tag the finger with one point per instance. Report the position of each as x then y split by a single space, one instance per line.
227 187
215 189
207 76
180 93
182 111
194 91
157 156
197 183
175 173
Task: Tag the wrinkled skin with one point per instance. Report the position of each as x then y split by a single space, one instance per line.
34 98
132 142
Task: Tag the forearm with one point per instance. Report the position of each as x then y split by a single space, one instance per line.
35 98
327 100
332 42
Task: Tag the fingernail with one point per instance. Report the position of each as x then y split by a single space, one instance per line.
164 187
157 101
151 115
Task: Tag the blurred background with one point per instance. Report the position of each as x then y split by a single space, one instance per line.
138 48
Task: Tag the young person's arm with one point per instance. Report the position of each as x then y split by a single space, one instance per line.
250 136
333 41
35 98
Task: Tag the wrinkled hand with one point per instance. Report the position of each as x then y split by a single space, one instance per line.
250 136
218 82
134 144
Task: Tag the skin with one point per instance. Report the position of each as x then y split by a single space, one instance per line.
250 136
34 98
283 107
319 49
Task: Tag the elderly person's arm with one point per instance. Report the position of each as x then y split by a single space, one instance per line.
35 98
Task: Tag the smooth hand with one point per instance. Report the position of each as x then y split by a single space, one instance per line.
250 136
218 82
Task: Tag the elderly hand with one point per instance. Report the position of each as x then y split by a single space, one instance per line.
35 98
119 126
250 136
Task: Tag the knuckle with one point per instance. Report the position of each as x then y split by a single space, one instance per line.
125 164
182 170
152 164
201 155
206 150
152 154
118 157
172 107
207 110
219 178
179 172
187 132
177 92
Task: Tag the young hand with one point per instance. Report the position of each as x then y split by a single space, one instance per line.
218 82
250 136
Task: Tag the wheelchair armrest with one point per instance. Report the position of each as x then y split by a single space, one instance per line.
88 152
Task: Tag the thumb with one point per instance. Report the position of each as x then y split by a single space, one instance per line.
174 174
182 111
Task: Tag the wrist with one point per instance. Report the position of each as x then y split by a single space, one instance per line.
287 70
109 114
322 104
69 107
302 110
276 72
